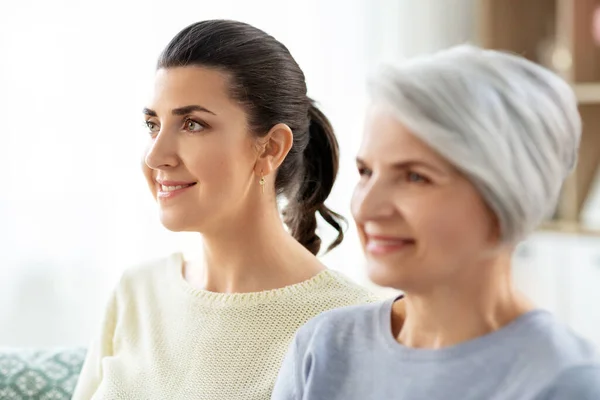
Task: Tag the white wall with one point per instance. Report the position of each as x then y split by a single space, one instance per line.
405 28
74 76
74 209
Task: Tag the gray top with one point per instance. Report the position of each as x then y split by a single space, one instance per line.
351 354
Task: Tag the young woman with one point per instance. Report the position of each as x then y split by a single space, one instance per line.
464 154
231 129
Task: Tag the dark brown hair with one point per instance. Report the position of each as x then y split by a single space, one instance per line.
266 79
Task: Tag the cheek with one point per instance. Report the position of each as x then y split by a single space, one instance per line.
209 168
355 201
455 227
361 235
217 164
445 231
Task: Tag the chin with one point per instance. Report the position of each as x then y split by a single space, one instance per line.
385 275
173 225
176 223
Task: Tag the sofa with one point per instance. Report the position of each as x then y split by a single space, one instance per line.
36 374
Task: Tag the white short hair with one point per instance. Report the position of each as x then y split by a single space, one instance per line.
511 126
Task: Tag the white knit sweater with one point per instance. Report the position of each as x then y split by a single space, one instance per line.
163 339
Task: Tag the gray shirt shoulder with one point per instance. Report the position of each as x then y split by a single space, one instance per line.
350 353
580 382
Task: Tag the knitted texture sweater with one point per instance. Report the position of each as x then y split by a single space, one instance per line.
163 339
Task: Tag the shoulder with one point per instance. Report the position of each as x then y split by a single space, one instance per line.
326 291
321 349
343 291
139 292
580 382
342 325
149 277
557 344
558 358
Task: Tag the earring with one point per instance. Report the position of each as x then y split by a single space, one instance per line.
261 182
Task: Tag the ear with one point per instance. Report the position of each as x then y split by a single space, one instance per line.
273 149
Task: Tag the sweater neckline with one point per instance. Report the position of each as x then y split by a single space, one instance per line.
176 263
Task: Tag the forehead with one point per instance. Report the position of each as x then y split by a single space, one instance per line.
183 86
387 139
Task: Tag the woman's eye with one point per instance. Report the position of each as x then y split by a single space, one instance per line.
364 171
416 178
152 126
193 126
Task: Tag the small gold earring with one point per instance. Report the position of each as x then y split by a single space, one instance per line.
262 182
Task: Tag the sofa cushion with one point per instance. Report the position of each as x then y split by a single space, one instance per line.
49 374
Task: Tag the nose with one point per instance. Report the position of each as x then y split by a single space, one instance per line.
162 153
372 201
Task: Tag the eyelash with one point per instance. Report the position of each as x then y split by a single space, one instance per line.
419 178
150 125
189 120
364 171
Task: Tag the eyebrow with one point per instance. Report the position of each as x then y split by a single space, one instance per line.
409 164
180 111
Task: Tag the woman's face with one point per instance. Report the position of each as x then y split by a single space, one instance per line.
200 158
420 221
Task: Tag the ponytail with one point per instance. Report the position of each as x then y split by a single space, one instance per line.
320 167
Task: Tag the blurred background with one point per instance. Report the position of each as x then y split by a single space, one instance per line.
74 75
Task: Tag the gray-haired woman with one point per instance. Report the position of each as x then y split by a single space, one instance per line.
464 154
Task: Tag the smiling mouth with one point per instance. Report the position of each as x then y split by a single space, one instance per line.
165 188
382 246
165 192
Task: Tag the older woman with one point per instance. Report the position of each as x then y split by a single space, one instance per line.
464 154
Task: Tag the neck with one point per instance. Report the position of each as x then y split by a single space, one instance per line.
253 254
474 304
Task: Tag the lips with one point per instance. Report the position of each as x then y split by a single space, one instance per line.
169 189
172 188
380 245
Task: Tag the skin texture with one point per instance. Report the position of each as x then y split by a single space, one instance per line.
426 231
199 135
